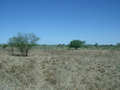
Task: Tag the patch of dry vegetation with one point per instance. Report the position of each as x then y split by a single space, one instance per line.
61 70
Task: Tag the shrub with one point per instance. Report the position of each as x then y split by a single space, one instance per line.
76 44
24 42
4 46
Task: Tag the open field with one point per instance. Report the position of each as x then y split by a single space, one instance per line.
61 70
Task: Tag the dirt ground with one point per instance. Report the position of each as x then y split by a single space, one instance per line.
61 70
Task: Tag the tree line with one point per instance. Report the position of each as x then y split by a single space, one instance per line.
25 41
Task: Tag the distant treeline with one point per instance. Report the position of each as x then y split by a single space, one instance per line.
64 46
88 46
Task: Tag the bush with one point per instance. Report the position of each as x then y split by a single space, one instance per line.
4 46
24 42
76 44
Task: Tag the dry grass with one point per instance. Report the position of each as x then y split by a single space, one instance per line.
61 70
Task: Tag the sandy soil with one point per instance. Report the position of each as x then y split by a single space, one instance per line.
61 70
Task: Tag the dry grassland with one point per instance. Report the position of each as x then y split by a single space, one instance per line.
61 70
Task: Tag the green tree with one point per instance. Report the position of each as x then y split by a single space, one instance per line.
96 45
24 42
76 44
118 44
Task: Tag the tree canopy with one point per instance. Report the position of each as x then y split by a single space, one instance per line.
76 44
24 42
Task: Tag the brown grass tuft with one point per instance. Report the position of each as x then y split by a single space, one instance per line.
61 70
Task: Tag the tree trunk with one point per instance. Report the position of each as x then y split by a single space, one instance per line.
26 52
12 50
75 48
22 51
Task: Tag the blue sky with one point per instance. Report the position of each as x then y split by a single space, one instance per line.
61 21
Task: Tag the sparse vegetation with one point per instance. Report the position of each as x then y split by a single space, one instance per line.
53 67
61 69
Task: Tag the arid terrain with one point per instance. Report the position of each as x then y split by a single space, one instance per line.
60 70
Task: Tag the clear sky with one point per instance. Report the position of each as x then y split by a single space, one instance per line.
61 21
